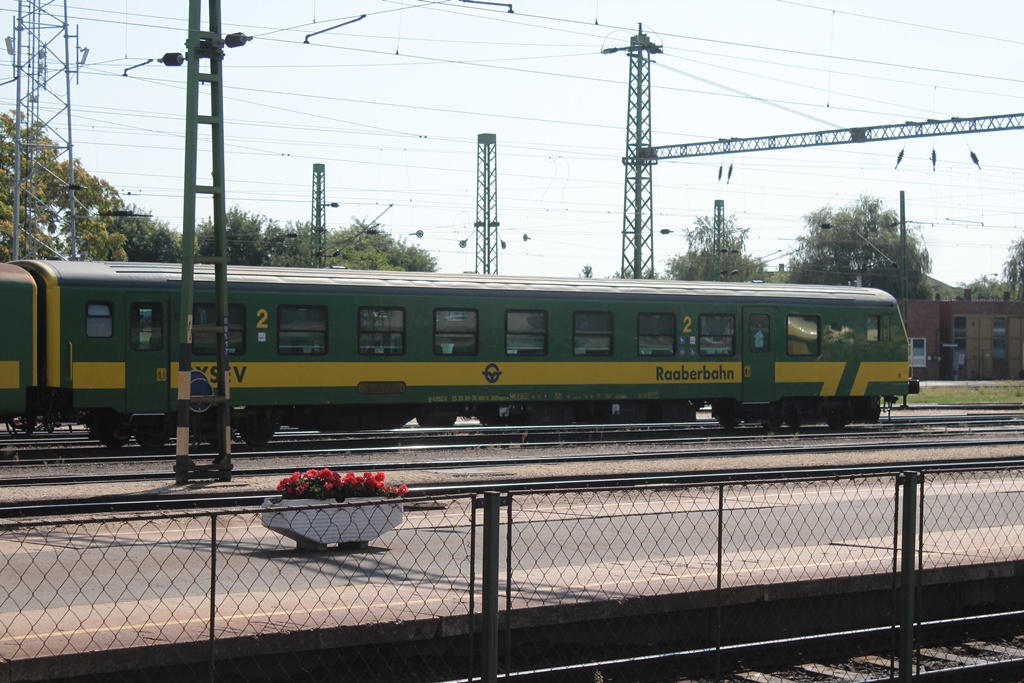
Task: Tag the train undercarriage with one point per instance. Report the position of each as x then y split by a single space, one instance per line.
257 425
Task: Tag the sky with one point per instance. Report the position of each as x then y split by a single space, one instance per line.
392 105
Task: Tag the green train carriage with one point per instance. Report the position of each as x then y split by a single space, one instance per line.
18 350
336 349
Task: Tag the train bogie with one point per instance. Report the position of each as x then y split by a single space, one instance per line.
329 350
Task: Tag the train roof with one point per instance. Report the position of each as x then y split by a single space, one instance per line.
121 274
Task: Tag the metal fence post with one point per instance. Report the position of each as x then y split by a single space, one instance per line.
489 587
908 550
213 597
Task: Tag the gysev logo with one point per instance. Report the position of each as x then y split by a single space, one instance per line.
694 373
492 373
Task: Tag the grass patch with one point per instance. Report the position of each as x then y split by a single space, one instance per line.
971 392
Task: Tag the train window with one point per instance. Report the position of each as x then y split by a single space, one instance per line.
802 335
760 333
455 332
874 325
381 331
147 326
656 334
592 333
204 343
717 334
302 330
99 320
526 333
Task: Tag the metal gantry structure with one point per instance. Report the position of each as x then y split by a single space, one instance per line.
638 212
640 158
43 66
840 136
487 204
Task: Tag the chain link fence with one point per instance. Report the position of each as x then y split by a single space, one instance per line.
663 578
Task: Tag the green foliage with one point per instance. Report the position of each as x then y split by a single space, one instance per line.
861 240
97 238
365 247
1013 269
714 255
148 239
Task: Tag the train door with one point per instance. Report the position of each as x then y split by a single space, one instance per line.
147 387
758 355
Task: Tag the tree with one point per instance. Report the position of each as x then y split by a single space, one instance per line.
714 255
365 246
587 273
148 239
246 245
1013 269
96 238
860 242
287 246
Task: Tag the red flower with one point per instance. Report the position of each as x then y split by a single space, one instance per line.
324 484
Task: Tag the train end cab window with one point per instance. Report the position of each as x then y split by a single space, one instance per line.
99 320
656 334
592 333
526 333
874 327
381 331
205 343
455 332
803 335
717 334
302 330
147 326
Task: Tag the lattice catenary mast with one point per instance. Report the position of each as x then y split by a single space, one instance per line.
638 219
43 66
487 204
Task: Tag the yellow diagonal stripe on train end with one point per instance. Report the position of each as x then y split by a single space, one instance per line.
897 371
10 374
827 374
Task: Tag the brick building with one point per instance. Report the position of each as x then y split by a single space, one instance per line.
965 339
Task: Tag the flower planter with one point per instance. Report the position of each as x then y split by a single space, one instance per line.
314 525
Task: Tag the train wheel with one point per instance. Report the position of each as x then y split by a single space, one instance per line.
151 437
111 437
257 435
836 418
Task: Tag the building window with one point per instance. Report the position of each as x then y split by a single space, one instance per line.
717 335
381 331
147 326
760 333
99 320
802 335
204 343
656 334
526 333
592 333
999 338
302 330
960 333
918 352
455 332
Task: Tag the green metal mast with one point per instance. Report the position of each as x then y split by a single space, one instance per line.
487 204
638 217
718 239
204 45
318 225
